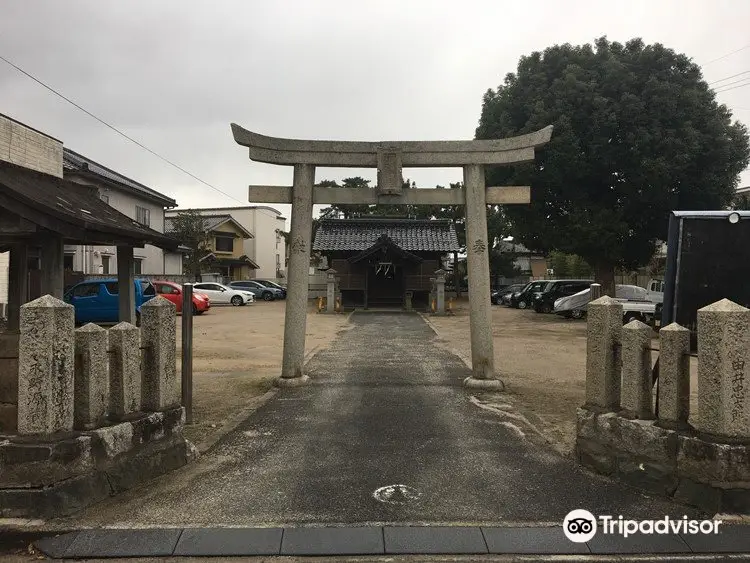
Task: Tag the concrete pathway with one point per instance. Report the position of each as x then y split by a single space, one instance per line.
386 407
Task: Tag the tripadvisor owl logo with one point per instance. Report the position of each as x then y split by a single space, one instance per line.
579 526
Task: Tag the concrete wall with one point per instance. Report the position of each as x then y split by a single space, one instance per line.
172 263
24 146
268 244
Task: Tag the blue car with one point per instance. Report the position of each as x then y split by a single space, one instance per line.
97 301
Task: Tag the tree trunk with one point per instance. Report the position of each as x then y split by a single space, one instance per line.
456 275
604 273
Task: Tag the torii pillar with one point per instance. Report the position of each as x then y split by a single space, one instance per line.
389 158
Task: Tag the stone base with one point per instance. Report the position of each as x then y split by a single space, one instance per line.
45 478
291 381
679 464
486 384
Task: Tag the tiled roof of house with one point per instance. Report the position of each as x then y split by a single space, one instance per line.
73 161
408 234
210 222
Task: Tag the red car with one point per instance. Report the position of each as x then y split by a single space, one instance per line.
173 292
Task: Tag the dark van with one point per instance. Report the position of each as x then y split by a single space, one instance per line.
544 302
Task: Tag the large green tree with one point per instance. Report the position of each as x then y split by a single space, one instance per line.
637 133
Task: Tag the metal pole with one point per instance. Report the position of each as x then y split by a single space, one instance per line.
187 351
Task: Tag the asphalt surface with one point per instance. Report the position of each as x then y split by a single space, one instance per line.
385 407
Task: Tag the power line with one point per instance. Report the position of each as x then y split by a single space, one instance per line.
727 55
728 77
733 88
116 130
733 83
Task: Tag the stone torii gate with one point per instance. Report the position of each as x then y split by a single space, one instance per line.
389 158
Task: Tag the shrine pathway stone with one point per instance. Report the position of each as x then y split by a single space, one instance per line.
385 407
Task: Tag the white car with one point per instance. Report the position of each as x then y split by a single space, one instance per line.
219 293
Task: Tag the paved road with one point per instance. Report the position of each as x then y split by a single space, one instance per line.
386 407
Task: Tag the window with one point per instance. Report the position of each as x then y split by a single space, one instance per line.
143 215
68 262
86 290
112 288
105 264
208 286
147 288
224 244
166 289
138 266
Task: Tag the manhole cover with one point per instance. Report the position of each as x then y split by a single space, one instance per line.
396 494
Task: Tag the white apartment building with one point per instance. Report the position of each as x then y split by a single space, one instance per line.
267 248
137 201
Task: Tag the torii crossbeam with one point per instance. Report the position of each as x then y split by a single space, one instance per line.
389 158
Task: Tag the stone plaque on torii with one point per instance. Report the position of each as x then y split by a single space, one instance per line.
389 158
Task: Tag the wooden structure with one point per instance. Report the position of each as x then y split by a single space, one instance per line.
378 261
40 213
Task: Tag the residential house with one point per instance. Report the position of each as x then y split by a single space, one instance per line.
226 246
267 247
139 202
530 263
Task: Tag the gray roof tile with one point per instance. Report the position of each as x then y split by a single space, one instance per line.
408 234
79 163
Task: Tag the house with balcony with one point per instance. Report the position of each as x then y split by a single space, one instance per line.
266 248
224 250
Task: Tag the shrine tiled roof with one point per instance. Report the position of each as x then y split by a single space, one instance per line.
409 234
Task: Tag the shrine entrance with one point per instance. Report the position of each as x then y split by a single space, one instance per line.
389 158
385 284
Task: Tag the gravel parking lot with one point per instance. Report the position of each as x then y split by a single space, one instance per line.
542 360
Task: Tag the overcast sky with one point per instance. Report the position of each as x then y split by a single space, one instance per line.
174 74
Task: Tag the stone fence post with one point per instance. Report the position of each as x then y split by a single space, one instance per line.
724 370
124 370
596 291
603 366
91 376
440 291
331 290
636 371
674 376
46 352
161 388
